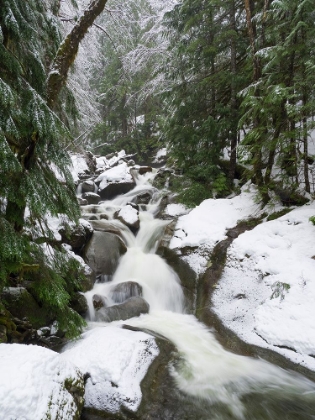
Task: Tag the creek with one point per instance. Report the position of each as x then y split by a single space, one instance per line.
220 384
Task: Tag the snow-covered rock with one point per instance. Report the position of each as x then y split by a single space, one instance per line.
129 215
37 383
115 376
119 173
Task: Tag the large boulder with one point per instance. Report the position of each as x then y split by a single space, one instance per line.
21 304
36 383
114 189
134 306
79 303
76 235
103 252
144 169
105 225
187 275
88 186
114 361
129 216
125 290
91 197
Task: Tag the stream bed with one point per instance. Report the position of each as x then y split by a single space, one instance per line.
208 382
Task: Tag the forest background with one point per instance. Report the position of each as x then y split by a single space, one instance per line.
227 88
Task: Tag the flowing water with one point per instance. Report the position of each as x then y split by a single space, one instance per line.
229 386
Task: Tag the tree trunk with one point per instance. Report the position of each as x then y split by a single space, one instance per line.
68 49
257 148
233 130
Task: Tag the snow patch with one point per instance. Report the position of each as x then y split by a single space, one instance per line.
32 383
267 291
117 361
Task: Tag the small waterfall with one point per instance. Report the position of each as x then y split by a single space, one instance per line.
207 371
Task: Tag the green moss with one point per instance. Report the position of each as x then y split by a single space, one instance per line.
278 214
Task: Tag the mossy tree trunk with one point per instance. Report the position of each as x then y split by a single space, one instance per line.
68 49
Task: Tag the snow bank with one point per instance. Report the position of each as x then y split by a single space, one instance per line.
176 210
267 291
33 384
119 173
117 361
207 224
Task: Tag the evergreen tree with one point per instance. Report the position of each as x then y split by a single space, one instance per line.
278 106
207 73
34 167
130 110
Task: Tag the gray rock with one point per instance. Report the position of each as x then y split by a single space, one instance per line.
116 188
91 197
88 186
76 235
104 216
103 252
82 201
92 217
188 277
120 215
143 198
126 290
79 303
105 226
144 169
99 301
134 306
21 304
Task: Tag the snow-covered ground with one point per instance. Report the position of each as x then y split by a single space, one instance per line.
206 225
34 382
117 361
267 292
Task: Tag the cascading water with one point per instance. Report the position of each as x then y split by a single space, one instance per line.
207 372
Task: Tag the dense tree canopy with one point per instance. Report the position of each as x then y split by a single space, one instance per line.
34 168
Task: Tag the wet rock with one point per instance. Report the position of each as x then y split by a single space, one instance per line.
126 290
105 226
87 279
76 235
78 302
103 278
114 189
129 216
143 198
103 252
187 275
134 306
91 197
21 304
99 301
92 217
144 169
82 201
104 216
88 186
